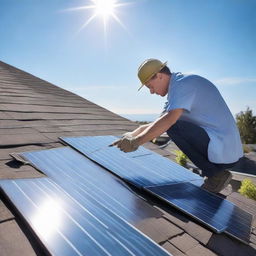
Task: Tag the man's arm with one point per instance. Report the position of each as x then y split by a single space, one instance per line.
160 126
139 130
153 130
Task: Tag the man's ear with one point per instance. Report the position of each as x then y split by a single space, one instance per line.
160 75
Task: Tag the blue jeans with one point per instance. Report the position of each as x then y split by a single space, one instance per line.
193 141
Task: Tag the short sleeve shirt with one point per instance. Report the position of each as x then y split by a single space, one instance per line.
204 106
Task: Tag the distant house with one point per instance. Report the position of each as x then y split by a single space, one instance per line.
34 114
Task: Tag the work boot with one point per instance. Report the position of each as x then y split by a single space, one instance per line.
217 182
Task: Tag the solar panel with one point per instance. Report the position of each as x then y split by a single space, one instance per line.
69 225
216 212
79 175
142 168
154 173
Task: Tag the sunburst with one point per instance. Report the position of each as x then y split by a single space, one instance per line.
104 9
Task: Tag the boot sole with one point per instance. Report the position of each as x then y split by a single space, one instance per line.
220 187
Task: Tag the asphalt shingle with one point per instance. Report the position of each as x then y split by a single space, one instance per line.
184 242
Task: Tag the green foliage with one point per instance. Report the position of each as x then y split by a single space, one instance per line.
248 189
181 158
246 123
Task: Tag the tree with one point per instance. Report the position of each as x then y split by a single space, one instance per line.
246 123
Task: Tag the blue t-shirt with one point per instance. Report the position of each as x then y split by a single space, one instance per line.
204 106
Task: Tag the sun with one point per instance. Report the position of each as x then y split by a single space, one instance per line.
104 9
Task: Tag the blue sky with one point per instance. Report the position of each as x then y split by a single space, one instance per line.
212 38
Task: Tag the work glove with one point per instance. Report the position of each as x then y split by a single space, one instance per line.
127 144
127 134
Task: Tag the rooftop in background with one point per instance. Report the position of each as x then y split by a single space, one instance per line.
34 113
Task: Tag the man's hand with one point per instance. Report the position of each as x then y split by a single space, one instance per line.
127 144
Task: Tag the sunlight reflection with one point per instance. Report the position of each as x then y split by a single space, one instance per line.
48 218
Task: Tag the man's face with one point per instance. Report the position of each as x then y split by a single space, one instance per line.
158 84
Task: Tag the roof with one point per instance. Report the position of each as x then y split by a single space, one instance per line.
34 113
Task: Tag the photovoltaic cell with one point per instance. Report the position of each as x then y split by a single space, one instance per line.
78 175
216 212
142 168
69 225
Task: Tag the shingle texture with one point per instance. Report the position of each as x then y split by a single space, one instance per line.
34 113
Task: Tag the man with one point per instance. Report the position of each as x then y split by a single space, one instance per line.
195 117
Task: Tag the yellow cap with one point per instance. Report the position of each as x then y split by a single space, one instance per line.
148 69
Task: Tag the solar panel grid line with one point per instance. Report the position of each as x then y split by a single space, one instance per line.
146 154
131 240
122 245
72 166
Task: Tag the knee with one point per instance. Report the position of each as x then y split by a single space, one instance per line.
174 129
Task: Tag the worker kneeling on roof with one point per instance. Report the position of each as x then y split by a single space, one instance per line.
195 117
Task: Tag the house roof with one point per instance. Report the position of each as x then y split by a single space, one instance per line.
35 113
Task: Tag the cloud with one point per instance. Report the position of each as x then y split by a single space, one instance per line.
234 80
